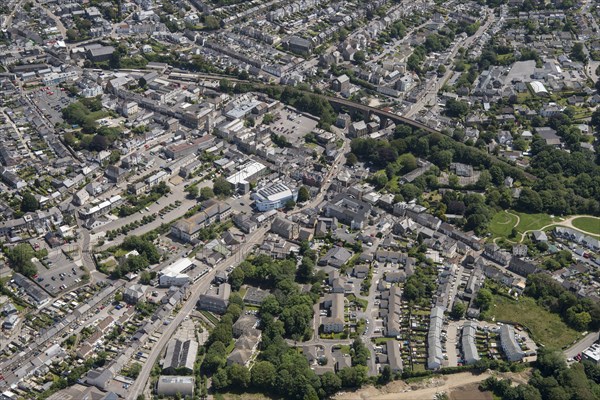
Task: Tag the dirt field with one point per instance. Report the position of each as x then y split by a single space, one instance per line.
428 388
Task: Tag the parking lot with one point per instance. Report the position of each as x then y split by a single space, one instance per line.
60 275
293 126
51 100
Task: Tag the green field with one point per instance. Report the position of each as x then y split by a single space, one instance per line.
587 224
546 328
502 224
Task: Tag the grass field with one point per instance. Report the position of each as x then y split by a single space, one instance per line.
545 327
502 224
587 224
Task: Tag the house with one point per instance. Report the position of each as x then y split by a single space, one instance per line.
335 322
245 348
393 355
435 355
336 257
100 377
469 343
358 129
341 84
539 236
115 174
10 322
244 324
255 296
180 356
285 228
175 386
521 267
519 250
215 300
494 253
392 318
134 293
510 346
360 271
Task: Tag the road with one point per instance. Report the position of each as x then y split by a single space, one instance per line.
199 287
583 344
59 25
434 86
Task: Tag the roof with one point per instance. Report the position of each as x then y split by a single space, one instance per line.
277 191
538 87
180 354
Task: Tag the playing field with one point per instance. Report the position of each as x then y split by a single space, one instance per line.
587 224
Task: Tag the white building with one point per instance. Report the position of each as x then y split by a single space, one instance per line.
274 196
174 274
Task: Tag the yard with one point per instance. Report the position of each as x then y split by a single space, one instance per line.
502 224
546 328
587 224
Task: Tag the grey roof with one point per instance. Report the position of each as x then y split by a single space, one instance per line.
180 354
512 349
468 343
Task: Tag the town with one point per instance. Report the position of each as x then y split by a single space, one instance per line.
200 198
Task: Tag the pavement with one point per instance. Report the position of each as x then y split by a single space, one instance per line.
583 344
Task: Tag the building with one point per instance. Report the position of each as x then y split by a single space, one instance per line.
244 324
255 296
469 343
592 353
215 300
299 45
38 296
241 179
285 228
358 129
175 386
10 322
510 346
435 355
183 149
393 355
101 53
180 356
134 293
521 267
341 84
274 196
335 322
212 211
174 274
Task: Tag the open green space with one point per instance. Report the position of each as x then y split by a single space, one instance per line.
587 224
502 224
546 328
532 222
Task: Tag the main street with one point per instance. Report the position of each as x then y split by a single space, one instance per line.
199 287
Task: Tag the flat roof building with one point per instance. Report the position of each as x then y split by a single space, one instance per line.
175 385
274 196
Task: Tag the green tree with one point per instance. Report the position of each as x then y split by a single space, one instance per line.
236 278
20 259
263 375
484 299
458 310
29 202
192 191
206 193
303 194
330 382
221 187
289 205
578 53
351 159
239 376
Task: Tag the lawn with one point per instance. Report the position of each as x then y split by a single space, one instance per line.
502 224
587 224
532 222
546 328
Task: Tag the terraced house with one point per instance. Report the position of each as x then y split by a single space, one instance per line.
212 211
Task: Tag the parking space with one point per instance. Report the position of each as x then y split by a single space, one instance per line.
60 275
51 100
293 126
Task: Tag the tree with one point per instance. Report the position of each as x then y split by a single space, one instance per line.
142 82
306 270
457 108
262 375
20 259
239 376
289 205
360 56
236 278
484 299
361 353
206 193
29 202
220 380
303 194
578 53
145 278
458 310
192 191
530 201
351 159
221 187
386 375
330 382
